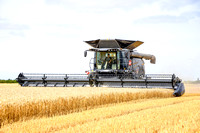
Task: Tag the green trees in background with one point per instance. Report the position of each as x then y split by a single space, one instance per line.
8 81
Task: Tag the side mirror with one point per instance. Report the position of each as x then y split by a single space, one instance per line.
85 53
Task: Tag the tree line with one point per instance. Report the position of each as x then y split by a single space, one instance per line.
8 81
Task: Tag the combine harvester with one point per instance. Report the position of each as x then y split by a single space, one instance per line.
115 64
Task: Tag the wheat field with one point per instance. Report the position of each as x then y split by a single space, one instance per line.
33 109
13 93
151 115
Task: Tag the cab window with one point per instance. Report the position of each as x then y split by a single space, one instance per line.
106 60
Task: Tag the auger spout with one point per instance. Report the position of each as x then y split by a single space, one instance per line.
150 57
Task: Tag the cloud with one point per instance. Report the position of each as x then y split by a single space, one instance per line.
99 6
7 27
170 12
48 32
177 5
183 18
163 19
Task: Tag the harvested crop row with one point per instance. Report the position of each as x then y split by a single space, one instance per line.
175 117
149 115
10 113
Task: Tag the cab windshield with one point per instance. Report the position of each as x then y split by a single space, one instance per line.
106 60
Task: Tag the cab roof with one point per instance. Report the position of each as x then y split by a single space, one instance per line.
114 43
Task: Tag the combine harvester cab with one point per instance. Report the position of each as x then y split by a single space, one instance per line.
115 64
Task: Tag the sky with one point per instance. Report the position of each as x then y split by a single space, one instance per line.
47 36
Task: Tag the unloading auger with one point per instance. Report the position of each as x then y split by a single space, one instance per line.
115 64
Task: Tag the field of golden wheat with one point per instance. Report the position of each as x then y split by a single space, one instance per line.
30 109
13 93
